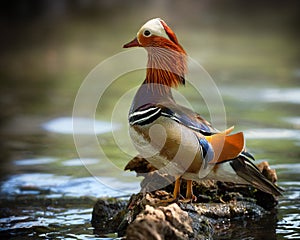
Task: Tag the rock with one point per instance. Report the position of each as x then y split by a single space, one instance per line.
202 226
140 165
269 173
149 214
169 222
229 210
107 215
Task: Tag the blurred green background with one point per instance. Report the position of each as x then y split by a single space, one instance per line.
48 47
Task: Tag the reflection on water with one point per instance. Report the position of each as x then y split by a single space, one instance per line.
288 95
62 218
60 186
69 125
288 225
272 133
80 162
48 192
30 162
282 95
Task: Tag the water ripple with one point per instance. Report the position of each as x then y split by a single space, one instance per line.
57 186
35 161
272 133
285 95
69 125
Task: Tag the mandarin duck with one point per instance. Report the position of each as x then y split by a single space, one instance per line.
175 139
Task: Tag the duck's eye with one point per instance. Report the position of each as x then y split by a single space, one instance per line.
147 33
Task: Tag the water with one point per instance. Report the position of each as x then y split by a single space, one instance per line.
49 185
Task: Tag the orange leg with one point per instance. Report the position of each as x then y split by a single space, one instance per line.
190 197
189 191
176 191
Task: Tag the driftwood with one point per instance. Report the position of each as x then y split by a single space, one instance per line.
148 215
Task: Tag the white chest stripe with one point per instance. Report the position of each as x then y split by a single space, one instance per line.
144 117
142 112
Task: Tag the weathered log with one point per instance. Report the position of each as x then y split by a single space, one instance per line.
149 215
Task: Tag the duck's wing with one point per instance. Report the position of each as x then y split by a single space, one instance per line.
188 118
150 112
223 146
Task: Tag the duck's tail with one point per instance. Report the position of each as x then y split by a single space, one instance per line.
245 169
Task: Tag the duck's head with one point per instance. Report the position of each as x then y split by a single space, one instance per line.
155 33
166 57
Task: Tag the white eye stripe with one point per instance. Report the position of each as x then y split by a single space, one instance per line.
155 27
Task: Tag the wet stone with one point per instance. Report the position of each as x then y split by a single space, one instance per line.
169 222
149 214
107 215
145 214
